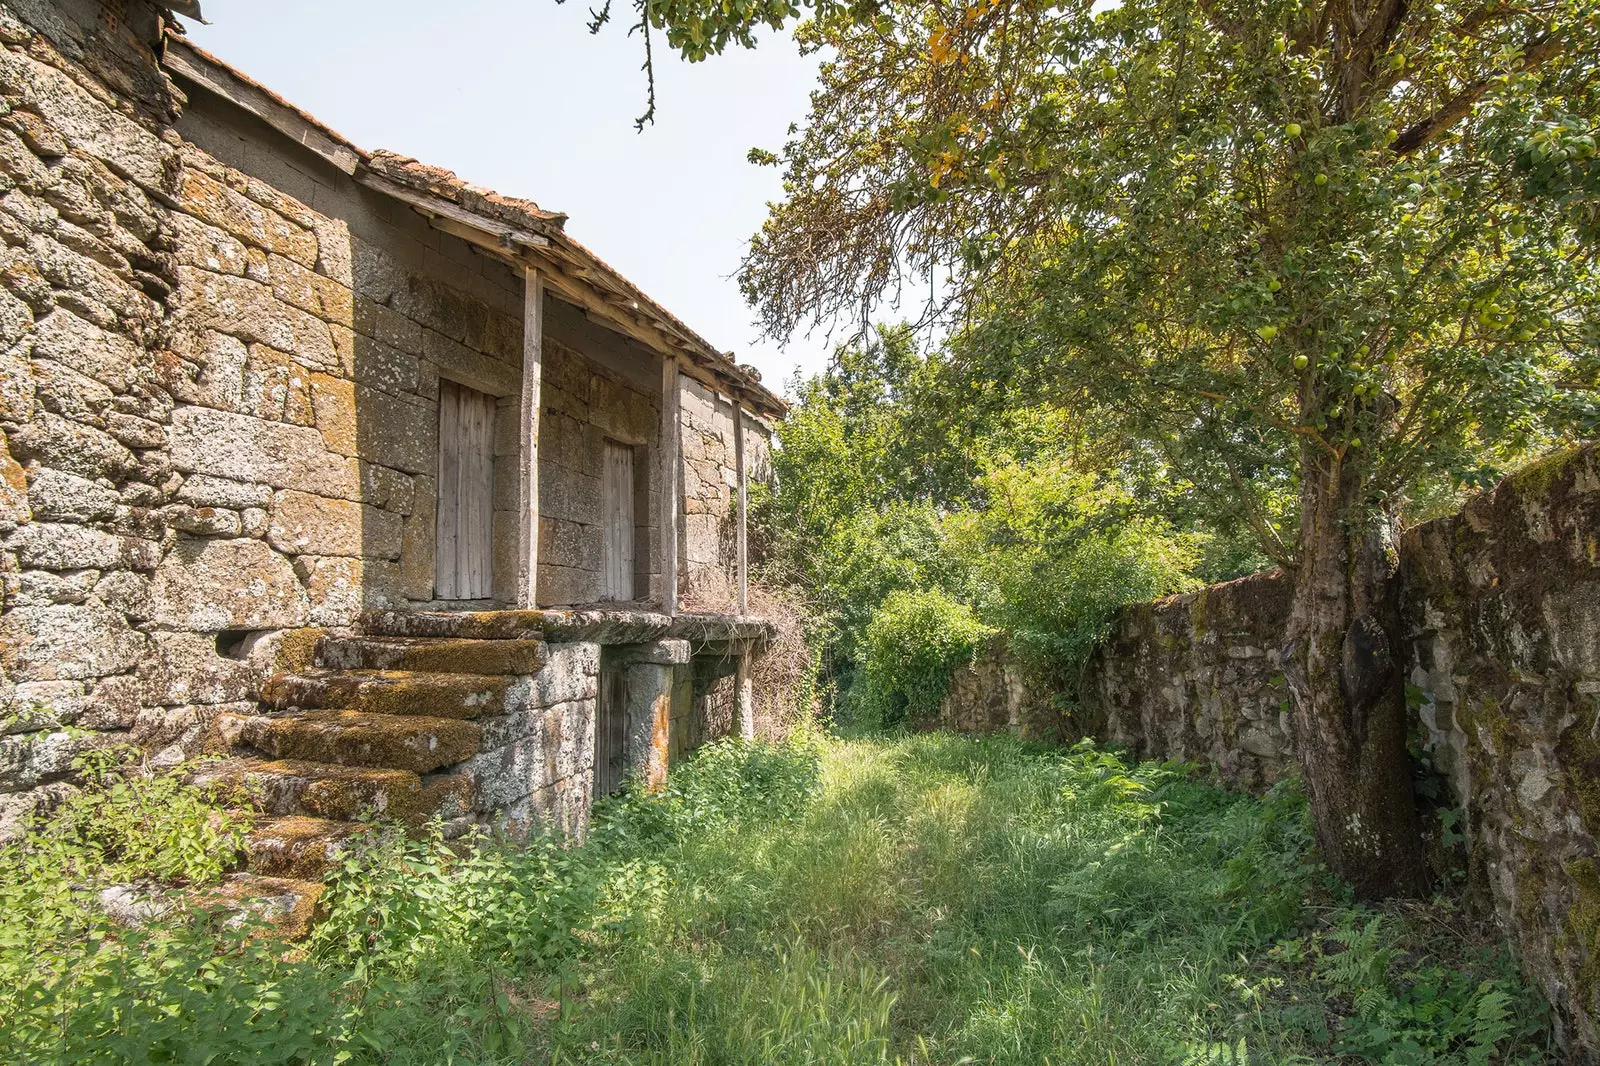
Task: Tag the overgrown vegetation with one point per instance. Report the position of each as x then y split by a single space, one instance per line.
1328 264
917 536
921 900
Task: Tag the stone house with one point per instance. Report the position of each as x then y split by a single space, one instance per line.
372 480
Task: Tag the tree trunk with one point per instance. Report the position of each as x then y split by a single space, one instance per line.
1346 691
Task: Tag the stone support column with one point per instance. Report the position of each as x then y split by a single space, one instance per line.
744 701
650 670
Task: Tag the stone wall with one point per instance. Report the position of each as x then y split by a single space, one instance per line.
1196 677
87 399
1501 608
998 693
536 766
585 403
707 551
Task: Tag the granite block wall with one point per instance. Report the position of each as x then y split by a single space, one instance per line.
708 573
1501 615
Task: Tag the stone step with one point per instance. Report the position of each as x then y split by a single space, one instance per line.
299 846
465 625
439 656
287 905
619 625
418 743
401 692
338 793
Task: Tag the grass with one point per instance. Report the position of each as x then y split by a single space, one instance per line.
926 899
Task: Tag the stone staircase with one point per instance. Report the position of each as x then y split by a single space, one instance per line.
380 723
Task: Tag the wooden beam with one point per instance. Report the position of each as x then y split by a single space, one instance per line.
671 482
181 59
578 285
528 439
507 235
742 534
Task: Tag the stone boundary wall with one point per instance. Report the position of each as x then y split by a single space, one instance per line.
998 693
1501 615
1196 677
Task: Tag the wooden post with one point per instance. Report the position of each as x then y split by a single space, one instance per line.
671 481
528 441
742 537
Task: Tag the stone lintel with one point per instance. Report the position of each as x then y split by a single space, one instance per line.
670 652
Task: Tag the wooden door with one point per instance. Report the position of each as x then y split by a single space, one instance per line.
610 726
616 494
462 569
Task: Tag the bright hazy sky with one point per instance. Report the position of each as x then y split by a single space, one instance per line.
516 95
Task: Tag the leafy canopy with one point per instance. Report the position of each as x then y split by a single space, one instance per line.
1253 235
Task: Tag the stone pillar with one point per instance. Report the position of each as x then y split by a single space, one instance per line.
649 673
744 702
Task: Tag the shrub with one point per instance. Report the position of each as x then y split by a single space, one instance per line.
914 642
1055 552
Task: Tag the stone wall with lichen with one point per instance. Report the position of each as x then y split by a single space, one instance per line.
584 404
999 693
708 568
1196 677
88 169
1501 608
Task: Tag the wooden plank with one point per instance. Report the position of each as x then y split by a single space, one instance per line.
670 479
742 528
445 550
617 517
477 511
183 59
528 448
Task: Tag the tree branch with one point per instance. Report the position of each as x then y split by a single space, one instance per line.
1458 106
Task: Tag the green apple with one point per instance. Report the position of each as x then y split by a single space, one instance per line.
1293 129
1301 362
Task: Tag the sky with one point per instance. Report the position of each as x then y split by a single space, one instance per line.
518 96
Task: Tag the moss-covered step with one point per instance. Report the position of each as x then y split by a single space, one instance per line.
443 656
300 846
337 793
287 906
403 692
418 743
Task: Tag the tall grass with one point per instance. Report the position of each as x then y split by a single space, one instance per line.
925 899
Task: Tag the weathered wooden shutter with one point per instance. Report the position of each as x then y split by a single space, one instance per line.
616 578
466 493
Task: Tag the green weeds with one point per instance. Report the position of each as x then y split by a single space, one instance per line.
927 900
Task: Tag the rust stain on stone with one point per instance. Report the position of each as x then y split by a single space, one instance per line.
660 735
